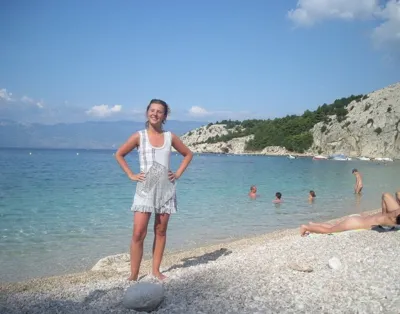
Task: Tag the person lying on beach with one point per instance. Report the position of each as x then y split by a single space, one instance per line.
253 191
311 196
359 184
390 216
278 198
390 203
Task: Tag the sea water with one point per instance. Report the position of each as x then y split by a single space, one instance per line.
63 210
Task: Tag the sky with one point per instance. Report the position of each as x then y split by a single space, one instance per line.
74 61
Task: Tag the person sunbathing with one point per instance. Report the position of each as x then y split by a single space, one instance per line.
390 216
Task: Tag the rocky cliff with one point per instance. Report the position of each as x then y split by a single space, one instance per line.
196 141
371 128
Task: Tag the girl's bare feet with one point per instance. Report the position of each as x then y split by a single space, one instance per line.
132 278
160 276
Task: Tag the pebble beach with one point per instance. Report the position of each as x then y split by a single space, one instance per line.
279 272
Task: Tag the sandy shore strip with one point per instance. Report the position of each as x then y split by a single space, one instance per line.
279 272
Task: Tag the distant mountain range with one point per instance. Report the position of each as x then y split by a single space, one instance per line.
90 135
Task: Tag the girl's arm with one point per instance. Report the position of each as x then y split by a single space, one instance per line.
124 150
184 151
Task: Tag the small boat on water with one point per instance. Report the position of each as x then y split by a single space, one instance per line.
339 157
364 158
387 159
383 159
320 157
291 157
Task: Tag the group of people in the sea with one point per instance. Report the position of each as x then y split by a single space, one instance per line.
156 190
278 195
390 215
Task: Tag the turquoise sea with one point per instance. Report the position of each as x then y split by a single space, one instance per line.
63 210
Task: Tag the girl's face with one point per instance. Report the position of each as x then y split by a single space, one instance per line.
156 114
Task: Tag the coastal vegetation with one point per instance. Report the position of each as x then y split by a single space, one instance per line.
292 131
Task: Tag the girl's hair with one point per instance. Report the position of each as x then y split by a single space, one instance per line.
167 111
312 193
398 220
278 195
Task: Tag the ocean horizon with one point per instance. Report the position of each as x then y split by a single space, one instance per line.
62 210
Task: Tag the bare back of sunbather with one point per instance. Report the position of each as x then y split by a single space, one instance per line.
352 223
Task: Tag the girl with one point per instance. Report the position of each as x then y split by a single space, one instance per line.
155 188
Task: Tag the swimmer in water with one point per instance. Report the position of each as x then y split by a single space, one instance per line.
253 191
278 198
311 196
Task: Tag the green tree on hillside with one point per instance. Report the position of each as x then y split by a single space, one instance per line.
292 131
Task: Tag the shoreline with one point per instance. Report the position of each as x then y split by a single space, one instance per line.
117 266
277 272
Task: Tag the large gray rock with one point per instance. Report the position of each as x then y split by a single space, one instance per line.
370 129
143 296
203 133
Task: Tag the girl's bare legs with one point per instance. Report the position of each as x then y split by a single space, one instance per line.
140 222
160 238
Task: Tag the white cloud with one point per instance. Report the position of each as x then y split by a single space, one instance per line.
102 111
389 31
27 99
203 114
197 111
387 34
40 104
6 96
308 12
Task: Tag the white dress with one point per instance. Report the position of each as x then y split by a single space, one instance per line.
156 194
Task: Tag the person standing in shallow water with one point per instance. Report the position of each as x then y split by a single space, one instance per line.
311 196
359 183
155 188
